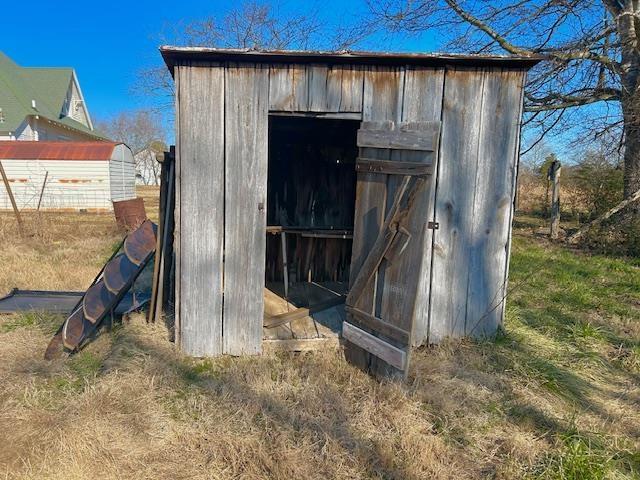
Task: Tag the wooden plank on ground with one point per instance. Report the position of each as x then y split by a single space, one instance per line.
200 159
454 201
245 206
301 312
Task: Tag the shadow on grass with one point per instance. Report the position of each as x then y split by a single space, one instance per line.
212 379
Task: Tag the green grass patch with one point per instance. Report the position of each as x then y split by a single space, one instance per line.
47 322
85 365
578 457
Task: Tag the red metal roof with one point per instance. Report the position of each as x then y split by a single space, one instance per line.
27 150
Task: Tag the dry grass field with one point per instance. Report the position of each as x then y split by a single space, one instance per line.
557 395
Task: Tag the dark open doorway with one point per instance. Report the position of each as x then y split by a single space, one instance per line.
311 193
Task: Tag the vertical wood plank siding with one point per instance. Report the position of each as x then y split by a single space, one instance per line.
246 160
288 90
176 211
454 201
493 201
316 88
201 168
519 84
382 102
474 201
221 177
422 102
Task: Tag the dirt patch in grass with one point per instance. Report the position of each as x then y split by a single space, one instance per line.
556 395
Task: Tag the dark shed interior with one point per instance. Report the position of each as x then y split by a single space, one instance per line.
310 199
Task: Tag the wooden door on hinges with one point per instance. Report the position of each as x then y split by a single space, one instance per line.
394 178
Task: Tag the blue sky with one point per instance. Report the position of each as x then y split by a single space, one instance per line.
109 42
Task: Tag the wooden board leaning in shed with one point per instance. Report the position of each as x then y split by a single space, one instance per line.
380 339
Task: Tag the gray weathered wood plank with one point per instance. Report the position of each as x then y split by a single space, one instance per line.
317 85
493 201
335 88
516 155
425 139
382 101
462 108
176 215
383 93
200 159
246 125
379 326
344 88
422 102
392 355
393 167
288 89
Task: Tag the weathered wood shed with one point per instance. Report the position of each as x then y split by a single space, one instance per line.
383 181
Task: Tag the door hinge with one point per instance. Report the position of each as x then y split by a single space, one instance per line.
433 225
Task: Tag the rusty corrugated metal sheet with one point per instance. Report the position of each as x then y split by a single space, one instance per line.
98 301
130 213
29 150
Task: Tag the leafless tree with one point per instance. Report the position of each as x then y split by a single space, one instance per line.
251 25
591 58
144 133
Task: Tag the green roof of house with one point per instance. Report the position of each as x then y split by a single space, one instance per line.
19 86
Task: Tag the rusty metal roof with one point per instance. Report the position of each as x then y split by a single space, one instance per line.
29 150
172 55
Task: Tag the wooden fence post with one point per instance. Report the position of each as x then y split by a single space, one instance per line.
554 177
44 184
13 200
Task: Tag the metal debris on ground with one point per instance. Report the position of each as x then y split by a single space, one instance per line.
107 290
54 301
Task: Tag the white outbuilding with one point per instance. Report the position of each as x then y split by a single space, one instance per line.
67 175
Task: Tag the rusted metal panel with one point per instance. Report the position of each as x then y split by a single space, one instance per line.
118 272
98 302
130 213
140 243
25 150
